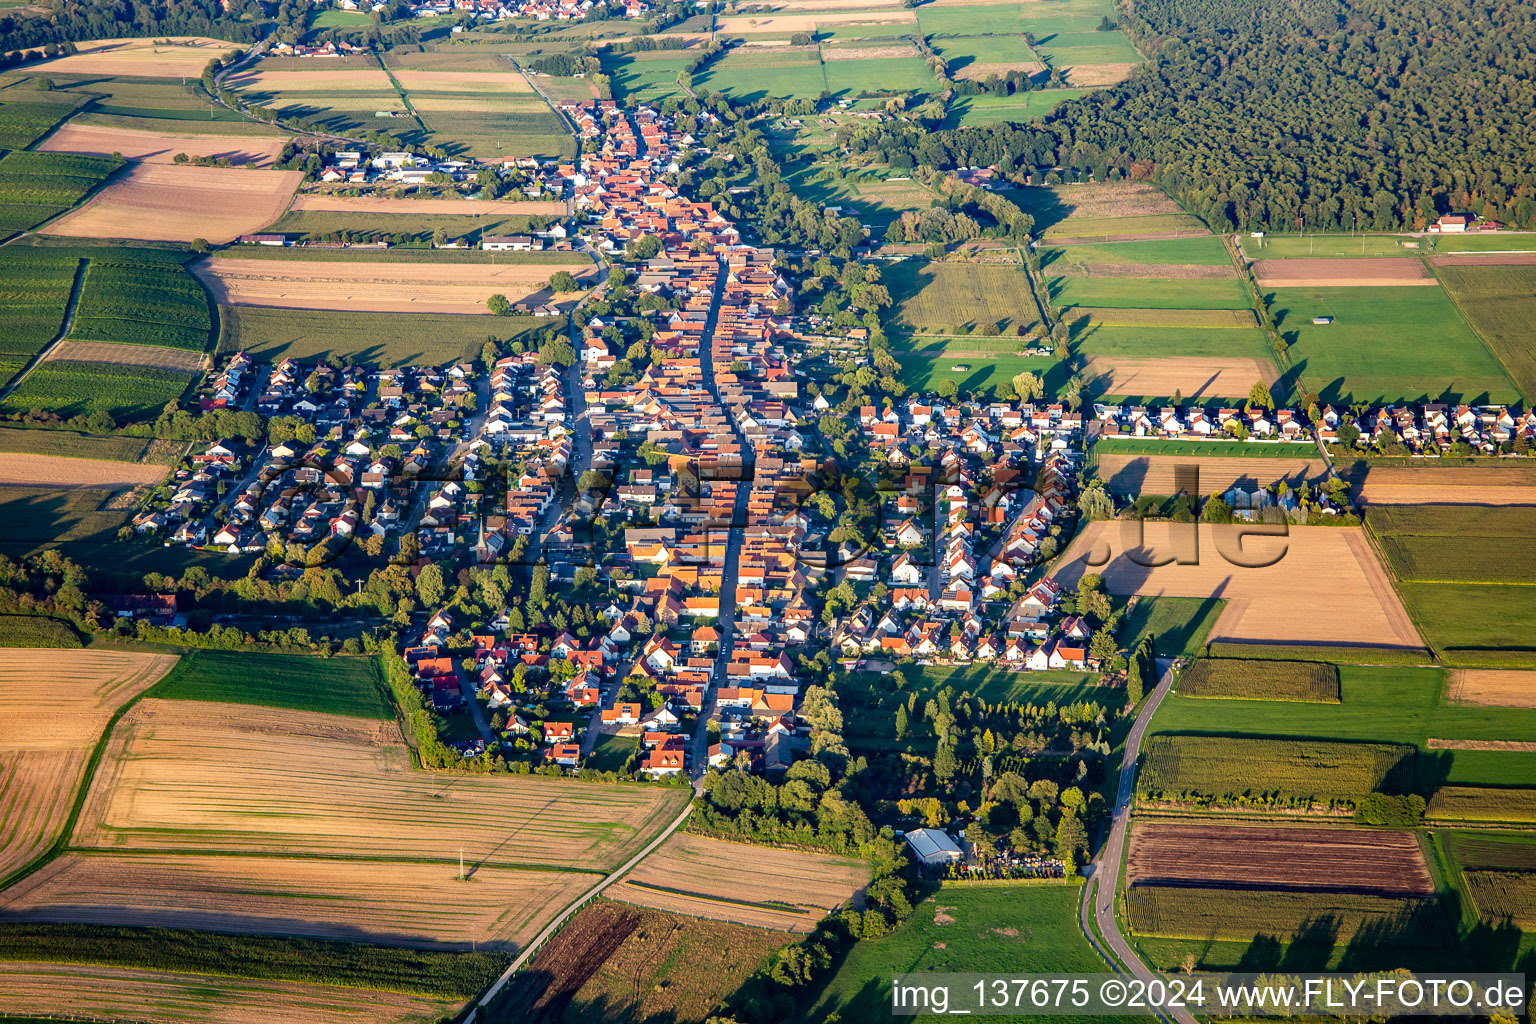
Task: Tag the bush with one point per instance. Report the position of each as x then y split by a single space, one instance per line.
1392 811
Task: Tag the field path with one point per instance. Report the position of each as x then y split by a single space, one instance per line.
69 319
1104 871
581 901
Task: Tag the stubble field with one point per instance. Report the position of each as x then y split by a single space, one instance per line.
1270 582
1502 688
1154 474
1247 857
53 706
143 58
375 287
160 147
119 993
1377 272
1464 485
763 887
153 200
215 778
1192 377
370 901
19 468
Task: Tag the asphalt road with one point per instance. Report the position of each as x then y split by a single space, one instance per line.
1104 873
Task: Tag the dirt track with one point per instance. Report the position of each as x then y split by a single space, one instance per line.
1501 688
1193 377
1312 859
1276 589
1388 271
154 200
160 147
1154 474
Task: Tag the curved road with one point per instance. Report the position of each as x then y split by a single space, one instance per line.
1104 873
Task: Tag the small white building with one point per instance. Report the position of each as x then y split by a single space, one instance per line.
933 846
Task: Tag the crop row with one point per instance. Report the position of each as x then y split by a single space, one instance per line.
34 288
1253 679
142 303
1483 803
1226 769
76 389
22 124
36 186
36 631
1242 914
1504 896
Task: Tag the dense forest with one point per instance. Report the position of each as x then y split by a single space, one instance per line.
1289 114
76 20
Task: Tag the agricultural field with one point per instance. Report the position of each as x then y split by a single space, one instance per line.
128 301
396 228
54 704
182 775
1225 768
947 298
1264 579
1330 272
373 287
648 77
37 186
780 71
1500 304
1104 212
1153 292
1500 873
1122 378
1507 688
174 57
789 890
123 391
160 147
377 339
1201 256
486 114
1361 356
615 963
330 686
1134 475
35 285
1433 485
975 111
37 631
131 355
1244 679
43 516
359 900
31 470
1483 805
152 200
325 202
992 928
30 116
1367 861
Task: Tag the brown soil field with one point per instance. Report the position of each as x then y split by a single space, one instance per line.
1154 474
79 992
761 23
462 81
222 778
1516 746
1500 688
1181 271
467 207
1387 272
1269 582
27 470
152 203
1194 377
1104 199
1128 236
1093 75
353 900
130 355
805 885
160 147
379 287
870 52
127 58
1308 859
319 80
1485 259
1460 485
1142 316
53 706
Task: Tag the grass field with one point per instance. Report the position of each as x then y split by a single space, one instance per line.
1361 356
610 752
399 228
332 686
1159 342
973 111
182 775
974 364
944 296
1148 293
1180 624
1205 251
377 339
1500 304
647 77
1243 679
992 928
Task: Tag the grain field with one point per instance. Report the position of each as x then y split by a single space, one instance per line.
153 200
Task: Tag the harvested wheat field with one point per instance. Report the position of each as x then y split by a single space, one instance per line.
463 81
128 355
377 287
226 778
153 201
53 707
1451 485
784 889
316 202
1311 859
80 992
1269 582
361 900
1500 688
776 23
320 80
1094 75
146 58
1192 376
1154 474
1484 259
21 468
160 147
1385 272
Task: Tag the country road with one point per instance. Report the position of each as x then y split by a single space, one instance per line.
1104 873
